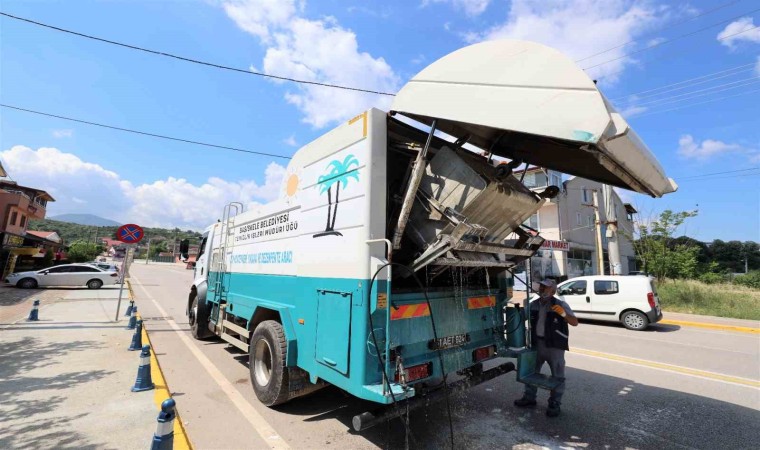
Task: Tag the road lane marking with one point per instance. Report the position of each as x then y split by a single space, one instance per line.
257 421
712 326
181 440
668 367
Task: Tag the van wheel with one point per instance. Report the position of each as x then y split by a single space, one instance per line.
634 320
267 355
198 318
94 284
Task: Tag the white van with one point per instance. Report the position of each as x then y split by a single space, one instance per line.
631 300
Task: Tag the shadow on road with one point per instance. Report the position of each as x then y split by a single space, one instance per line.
24 418
653 328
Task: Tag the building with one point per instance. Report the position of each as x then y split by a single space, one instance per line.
567 224
18 205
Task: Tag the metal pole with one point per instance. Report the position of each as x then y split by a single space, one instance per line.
147 255
121 288
598 232
613 247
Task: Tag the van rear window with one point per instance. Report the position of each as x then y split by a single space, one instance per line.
605 287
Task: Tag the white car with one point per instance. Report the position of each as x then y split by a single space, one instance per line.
631 300
64 275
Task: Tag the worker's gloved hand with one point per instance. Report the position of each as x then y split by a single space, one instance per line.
559 310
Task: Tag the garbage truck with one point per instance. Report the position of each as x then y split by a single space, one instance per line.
383 266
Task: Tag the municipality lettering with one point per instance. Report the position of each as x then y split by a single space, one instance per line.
285 257
270 226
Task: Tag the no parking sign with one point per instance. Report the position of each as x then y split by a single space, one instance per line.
130 233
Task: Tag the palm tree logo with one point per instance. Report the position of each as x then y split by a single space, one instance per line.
338 173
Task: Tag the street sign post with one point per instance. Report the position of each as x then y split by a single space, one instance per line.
128 234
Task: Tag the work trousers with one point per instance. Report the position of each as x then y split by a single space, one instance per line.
555 357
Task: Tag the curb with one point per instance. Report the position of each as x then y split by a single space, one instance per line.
161 393
712 326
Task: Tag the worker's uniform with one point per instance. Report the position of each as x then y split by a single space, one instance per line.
549 334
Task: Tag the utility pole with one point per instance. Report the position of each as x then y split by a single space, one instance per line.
598 233
613 248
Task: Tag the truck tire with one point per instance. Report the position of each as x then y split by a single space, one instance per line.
198 319
267 356
634 320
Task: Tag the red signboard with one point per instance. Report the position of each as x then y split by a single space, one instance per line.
562 246
130 233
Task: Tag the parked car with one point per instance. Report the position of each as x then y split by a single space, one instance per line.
64 275
631 300
105 266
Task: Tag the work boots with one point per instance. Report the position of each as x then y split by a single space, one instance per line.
553 409
525 402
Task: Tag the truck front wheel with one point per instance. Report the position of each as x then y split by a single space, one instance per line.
198 318
268 351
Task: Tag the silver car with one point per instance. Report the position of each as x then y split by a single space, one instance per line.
64 275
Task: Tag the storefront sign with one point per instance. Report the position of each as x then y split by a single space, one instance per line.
11 240
562 246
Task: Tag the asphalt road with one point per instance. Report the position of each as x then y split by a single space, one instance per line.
669 387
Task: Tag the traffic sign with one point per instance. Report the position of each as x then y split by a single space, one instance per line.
130 233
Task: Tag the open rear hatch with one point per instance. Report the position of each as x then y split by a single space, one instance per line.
514 99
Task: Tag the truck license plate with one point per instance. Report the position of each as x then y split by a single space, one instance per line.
443 343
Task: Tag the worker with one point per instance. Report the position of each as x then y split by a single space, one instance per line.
549 317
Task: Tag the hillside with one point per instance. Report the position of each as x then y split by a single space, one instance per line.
85 219
71 232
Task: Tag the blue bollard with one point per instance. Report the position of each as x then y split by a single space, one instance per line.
143 381
129 308
132 319
137 337
34 314
164 437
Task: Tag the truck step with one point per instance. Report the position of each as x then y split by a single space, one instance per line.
235 341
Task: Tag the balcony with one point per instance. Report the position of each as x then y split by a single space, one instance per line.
34 208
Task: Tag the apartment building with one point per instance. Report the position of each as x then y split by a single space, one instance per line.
567 224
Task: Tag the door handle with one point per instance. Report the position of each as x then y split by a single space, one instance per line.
588 299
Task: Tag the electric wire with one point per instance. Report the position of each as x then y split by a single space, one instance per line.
668 41
721 178
697 103
718 173
191 60
710 11
144 133
691 95
743 67
606 75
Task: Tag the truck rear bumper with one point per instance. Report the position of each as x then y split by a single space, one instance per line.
371 418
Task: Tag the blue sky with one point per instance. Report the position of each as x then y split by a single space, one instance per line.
374 45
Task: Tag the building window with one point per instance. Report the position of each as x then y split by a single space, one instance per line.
590 221
578 219
14 214
556 180
532 222
535 180
579 263
23 221
586 195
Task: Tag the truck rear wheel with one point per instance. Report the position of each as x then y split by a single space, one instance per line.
198 319
268 353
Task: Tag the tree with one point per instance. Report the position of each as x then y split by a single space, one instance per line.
157 247
47 260
662 255
81 251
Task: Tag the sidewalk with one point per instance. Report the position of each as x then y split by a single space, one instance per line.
65 380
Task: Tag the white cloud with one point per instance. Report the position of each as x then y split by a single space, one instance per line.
692 149
315 50
632 111
419 59
579 28
470 7
655 41
729 36
82 187
63 133
291 141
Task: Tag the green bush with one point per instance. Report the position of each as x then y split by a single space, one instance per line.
720 299
751 280
712 278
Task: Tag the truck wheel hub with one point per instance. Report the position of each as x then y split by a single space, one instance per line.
262 365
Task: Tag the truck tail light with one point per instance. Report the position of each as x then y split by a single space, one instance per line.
483 353
650 299
417 372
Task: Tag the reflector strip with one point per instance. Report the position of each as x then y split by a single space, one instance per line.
410 311
481 302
